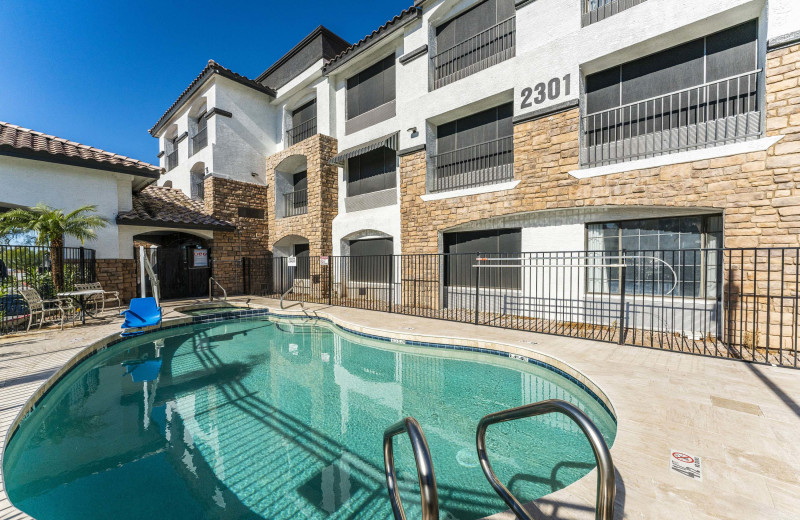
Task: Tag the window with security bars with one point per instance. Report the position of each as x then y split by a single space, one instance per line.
695 95
689 245
198 186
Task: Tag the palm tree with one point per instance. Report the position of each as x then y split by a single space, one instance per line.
51 226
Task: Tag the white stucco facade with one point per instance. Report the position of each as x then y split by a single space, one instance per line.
67 188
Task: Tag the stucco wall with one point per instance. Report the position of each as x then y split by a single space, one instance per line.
25 182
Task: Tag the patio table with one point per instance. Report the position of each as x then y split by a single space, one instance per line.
80 297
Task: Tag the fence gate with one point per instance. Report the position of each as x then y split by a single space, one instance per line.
178 277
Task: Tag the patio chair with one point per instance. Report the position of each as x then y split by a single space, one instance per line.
45 308
99 300
143 312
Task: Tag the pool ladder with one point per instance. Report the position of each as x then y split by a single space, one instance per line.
606 484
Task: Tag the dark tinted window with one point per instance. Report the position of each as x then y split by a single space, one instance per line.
305 113
482 127
300 181
370 260
303 269
371 87
464 247
372 171
718 56
472 22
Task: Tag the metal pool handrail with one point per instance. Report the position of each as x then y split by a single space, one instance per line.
422 454
211 283
606 484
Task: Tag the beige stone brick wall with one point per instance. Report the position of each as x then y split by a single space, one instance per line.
323 203
223 198
117 275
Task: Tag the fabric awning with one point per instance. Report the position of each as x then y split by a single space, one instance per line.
387 141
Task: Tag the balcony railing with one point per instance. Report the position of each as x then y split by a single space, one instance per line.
301 132
295 203
480 52
720 112
172 160
199 140
480 165
596 10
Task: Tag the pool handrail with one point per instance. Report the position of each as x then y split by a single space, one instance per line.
211 283
422 454
606 483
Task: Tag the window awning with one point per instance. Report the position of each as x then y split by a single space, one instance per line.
387 141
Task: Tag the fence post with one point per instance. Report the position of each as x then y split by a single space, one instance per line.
331 260
622 274
477 287
391 282
82 264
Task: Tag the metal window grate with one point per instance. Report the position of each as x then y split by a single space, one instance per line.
301 132
720 112
480 165
199 140
295 203
597 10
172 160
475 54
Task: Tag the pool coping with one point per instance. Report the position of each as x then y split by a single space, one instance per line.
507 350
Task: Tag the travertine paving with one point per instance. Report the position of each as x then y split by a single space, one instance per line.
742 420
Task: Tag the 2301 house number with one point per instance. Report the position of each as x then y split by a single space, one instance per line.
544 91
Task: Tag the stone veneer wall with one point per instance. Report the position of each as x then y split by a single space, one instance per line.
117 275
759 193
323 202
223 198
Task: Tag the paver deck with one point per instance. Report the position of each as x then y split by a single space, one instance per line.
742 420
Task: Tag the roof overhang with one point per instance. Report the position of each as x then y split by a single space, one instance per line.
36 155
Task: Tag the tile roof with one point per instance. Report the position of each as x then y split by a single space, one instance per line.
169 207
212 68
15 140
412 12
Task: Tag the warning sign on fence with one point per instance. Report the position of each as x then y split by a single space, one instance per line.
292 261
685 464
323 260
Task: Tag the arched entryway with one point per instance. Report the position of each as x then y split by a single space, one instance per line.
182 262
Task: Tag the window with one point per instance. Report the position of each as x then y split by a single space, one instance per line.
700 93
303 269
296 201
475 150
474 40
461 249
198 187
371 88
371 172
690 245
304 123
371 260
172 153
246 212
200 138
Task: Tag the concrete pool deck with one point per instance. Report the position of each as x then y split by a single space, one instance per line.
742 420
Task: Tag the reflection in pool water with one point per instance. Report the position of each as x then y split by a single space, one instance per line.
258 419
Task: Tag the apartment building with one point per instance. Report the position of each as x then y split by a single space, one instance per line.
501 126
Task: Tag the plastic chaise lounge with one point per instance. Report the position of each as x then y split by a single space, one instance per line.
143 312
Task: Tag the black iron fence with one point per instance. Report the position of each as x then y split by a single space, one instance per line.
35 267
729 303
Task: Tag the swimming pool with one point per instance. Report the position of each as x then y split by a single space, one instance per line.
264 418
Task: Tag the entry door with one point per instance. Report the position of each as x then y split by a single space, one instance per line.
177 276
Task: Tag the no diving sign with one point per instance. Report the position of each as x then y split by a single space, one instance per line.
686 465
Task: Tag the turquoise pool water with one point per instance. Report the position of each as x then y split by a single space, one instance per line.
268 419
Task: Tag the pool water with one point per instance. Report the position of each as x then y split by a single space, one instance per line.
273 419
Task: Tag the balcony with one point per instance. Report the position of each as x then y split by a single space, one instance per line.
199 140
295 203
172 160
712 114
301 132
475 54
480 165
596 10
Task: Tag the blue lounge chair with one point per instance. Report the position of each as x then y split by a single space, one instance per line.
143 312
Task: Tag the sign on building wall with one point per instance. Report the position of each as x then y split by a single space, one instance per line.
200 257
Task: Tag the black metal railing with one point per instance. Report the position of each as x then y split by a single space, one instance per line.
199 140
488 48
172 160
295 203
720 112
36 267
596 10
479 165
728 303
301 132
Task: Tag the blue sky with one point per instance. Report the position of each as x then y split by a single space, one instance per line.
102 72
